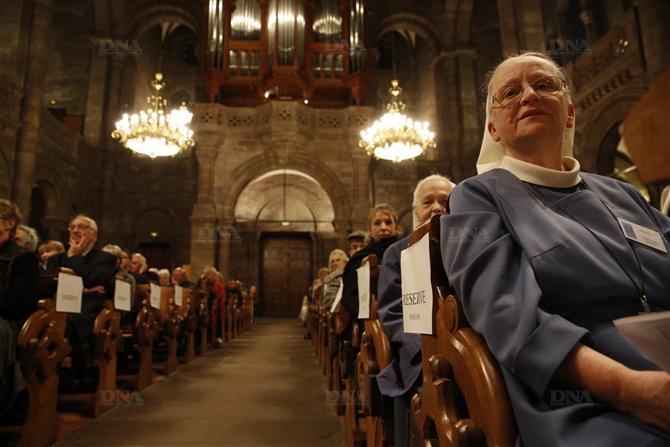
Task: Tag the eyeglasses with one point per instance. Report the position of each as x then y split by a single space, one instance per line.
543 86
79 227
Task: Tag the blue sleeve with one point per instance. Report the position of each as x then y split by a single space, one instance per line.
494 279
390 293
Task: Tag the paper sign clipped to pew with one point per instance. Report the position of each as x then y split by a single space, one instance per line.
69 293
338 298
122 295
155 296
417 290
650 332
363 291
178 295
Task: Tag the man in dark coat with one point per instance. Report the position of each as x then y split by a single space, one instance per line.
96 269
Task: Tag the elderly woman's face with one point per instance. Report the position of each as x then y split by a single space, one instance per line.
532 115
432 199
382 226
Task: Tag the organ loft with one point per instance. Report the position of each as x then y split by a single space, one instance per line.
200 174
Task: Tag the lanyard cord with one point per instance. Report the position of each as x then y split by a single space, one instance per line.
640 288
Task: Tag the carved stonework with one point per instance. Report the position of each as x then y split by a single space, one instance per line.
613 61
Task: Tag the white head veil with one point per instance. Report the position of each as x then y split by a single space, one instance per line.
491 152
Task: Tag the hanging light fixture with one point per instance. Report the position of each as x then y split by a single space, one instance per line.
395 136
153 132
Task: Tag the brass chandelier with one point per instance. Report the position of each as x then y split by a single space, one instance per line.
153 132
395 136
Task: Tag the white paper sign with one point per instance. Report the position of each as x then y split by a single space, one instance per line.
155 296
338 298
651 333
417 291
69 293
178 295
364 291
122 295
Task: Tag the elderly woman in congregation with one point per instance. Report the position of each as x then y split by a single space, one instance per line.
550 257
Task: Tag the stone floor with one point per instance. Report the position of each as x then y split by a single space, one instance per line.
264 388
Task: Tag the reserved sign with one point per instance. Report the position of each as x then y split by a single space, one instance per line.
363 291
417 290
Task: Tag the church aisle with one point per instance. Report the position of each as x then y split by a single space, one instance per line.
264 388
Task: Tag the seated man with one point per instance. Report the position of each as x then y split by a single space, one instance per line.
355 242
97 269
180 278
337 261
138 268
402 377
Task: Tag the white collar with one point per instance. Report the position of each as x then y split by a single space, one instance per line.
538 175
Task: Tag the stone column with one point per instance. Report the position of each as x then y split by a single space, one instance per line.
204 219
450 129
226 236
342 231
521 28
31 110
203 242
115 95
654 17
472 128
95 99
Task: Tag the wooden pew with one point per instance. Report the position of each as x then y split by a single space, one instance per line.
139 337
202 311
168 329
41 350
107 334
214 322
354 423
464 400
228 322
186 313
374 355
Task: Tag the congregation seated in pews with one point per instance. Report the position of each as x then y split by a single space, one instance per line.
103 329
492 324
448 386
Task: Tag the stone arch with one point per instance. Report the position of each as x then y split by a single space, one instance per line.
304 201
52 201
608 113
155 219
411 22
406 219
225 195
155 15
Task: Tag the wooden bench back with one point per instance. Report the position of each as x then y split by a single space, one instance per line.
41 349
464 400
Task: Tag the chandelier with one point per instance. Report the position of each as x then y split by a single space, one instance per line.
395 136
152 132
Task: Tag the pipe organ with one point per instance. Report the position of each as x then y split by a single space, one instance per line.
311 50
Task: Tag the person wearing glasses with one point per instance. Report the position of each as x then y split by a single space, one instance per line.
97 269
544 257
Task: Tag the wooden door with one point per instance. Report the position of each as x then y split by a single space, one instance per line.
286 274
